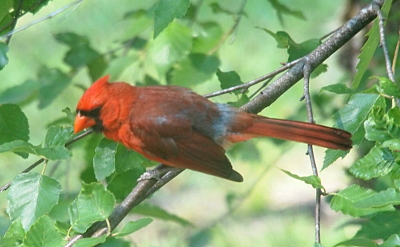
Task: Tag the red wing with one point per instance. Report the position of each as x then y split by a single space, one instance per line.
175 142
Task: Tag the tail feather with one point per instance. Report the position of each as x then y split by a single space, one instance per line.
309 133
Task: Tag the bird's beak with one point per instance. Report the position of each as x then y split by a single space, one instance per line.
83 122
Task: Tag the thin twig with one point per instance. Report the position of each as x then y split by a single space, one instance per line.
307 72
253 82
40 161
51 15
381 21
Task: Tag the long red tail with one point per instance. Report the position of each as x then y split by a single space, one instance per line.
313 134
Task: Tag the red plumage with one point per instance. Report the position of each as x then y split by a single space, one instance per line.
177 127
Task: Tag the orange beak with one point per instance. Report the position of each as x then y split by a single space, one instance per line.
82 122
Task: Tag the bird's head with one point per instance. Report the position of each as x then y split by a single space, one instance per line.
104 106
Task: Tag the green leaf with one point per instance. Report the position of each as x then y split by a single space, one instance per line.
339 88
389 88
195 69
52 83
31 195
368 50
170 47
89 242
380 226
133 226
3 54
94 203
207 39
282 9
345 200
52 153
351 118
166 11
229 79
217 9
104 159
126 159
313 180
81 54
392 241
121 184
157 212
14 235
43 234
58 135
364 242
378 162
31 6
393 144
380 126
13 124
20 93
5 7
382 198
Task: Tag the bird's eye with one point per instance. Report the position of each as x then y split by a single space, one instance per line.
95 113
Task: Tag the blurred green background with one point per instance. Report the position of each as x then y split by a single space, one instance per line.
274 210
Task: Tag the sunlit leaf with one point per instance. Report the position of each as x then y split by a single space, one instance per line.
31 195
345 200
378 162
312 180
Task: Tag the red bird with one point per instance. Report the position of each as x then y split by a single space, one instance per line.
177 127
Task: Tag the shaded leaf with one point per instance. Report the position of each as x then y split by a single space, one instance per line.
166 11
20 93
380 226
104 159
58 135
364 242
3 55
52 83
43 234
133 226
13 124
207 38
14 235
368 50
283 9
31 195
170 47
339 88
195 69
157 212
94 203
229 79
351 118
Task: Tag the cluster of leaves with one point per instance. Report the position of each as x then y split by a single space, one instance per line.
180 50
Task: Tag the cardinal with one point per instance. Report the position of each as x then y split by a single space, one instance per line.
177 127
